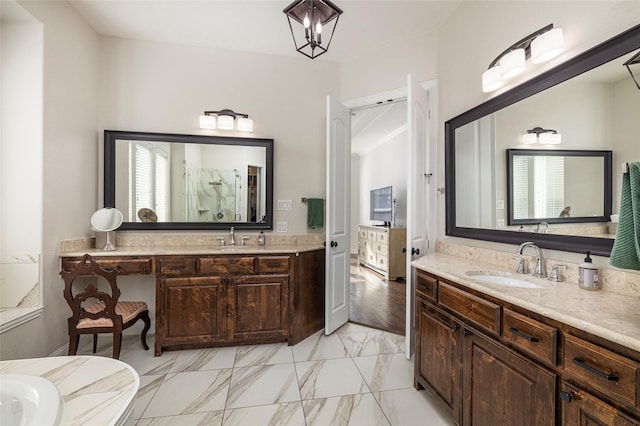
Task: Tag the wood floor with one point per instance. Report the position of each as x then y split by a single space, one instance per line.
376 302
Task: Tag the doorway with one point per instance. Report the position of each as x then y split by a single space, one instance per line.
378 160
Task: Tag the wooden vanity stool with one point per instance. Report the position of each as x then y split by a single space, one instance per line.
107 314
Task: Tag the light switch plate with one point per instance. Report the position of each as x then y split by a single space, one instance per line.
499 204
285 205
500 223
281 226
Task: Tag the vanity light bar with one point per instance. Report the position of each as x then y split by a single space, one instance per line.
540 46
226 120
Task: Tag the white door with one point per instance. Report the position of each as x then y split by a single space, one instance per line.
417 196
337 213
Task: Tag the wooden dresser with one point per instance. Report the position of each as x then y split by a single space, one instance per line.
380 249
229 298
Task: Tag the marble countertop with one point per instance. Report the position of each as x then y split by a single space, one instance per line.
612 316
95 390
212 249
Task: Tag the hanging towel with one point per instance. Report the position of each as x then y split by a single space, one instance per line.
626 248
315 213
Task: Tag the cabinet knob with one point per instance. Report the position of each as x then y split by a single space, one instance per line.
566 396
465 332
454 326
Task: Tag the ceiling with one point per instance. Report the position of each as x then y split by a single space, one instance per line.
260 25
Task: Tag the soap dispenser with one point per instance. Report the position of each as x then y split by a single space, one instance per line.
588 275
261 238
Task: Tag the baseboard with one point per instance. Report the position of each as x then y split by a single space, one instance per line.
61 351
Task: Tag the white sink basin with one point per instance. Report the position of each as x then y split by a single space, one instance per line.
29 400
502 279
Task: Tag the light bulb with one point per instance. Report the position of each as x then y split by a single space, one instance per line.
207 122
529 138
318 28
491 79
512 63
306 22
225 122
547 46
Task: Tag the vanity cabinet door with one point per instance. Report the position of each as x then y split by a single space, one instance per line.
191 310
437 366
500 387
258 307
581 408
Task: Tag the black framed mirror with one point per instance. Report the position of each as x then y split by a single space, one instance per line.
558 186
162 181
612 53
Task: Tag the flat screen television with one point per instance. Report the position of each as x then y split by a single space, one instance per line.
381 205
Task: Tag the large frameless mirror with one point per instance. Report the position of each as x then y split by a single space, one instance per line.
167 181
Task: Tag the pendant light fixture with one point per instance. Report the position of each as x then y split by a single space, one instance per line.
226 119
540 46
312 18
635 60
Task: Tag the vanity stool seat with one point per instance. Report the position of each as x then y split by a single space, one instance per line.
103 312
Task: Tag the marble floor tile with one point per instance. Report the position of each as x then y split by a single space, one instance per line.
409 407
327 378
386 372
369 343
352 328
289 414
203 359
276 353
210 418
353 410
261 385
397 339
319 346
191 392
148 388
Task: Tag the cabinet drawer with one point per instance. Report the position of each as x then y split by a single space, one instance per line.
482 313
426 286
227 265
362 233
273 264
127 266
380 248
592 366
382 262
382 237
371 235
177 265
533 337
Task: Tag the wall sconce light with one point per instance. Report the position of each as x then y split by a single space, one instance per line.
313 16
540 46
542 136
226 119
635 60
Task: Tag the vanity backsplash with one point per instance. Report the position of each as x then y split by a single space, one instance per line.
611 279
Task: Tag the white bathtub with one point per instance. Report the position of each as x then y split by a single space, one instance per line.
29 400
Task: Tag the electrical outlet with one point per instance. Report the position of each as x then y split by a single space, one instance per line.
500 223
281 226
499 204
285 205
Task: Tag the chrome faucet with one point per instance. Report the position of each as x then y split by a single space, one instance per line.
232 241
539 271
545 224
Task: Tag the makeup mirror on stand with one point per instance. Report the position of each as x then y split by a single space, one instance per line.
106 220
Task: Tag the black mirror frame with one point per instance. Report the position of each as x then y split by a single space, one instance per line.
607 184
622 44
110 137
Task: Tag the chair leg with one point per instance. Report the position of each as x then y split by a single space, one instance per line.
117 342
95 342
147 326
74 339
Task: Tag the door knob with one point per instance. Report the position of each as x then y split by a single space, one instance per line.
415 251
404 250
566 396
334 244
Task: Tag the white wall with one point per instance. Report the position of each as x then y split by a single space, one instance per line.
386 165
158 87
69 171
20 157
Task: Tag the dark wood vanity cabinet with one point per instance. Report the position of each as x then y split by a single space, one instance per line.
230 299
488 364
